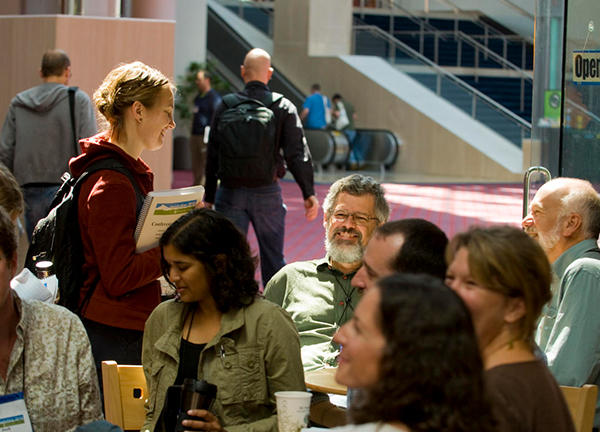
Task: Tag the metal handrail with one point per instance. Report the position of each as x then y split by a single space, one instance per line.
440 71
527 184
392 5
265 7
477 45
495 56
417 20
583 110
518 9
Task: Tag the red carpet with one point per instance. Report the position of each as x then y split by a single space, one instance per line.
453 207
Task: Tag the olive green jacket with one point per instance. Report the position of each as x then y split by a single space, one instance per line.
255 354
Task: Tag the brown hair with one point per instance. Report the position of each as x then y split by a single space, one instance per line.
431 373
11 197
54 63
123 86
506 260
8 235
423 246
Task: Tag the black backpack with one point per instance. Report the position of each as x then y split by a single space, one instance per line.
56 237
249 136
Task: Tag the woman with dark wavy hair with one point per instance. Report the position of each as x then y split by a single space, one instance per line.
217 330
411 353
504 278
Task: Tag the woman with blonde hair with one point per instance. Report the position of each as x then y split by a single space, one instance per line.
504 278
121 288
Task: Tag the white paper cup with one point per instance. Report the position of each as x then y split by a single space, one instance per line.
293 408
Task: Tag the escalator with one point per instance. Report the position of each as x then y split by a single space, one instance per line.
227 48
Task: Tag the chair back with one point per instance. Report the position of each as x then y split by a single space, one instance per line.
125 392
582 405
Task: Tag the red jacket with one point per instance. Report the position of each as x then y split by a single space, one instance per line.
127 290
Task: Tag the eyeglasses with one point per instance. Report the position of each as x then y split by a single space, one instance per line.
359 218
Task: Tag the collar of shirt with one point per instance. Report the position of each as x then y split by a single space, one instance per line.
324 266
574 252
257 84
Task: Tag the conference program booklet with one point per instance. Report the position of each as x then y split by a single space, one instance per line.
160 210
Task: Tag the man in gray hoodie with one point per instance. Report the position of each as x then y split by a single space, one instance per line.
37 139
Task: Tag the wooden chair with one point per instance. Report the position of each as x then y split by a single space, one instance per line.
125 392
582 405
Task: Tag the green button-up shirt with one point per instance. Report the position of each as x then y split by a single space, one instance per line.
320 300
569 331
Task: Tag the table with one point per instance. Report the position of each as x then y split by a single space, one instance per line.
323 380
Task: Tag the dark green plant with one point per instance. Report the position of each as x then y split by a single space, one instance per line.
187 90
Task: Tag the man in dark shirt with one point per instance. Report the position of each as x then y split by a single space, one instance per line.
205 104
245 201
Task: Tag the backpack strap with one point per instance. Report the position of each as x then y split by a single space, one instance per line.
114 165
72 91
232 100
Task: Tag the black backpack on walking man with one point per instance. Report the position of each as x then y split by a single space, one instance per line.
56 237
249 136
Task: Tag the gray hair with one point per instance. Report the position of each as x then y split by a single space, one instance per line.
358 185
582 199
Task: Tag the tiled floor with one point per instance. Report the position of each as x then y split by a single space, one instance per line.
453 207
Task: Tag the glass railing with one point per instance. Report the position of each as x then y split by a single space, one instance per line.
457 49
257 13
371 40
487 35
468 50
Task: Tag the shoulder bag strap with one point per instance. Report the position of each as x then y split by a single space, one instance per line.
72 91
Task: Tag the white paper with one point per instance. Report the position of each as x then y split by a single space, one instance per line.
160 210
29 287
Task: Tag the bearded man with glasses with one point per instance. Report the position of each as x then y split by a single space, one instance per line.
318 293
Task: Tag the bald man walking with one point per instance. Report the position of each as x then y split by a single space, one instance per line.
249 133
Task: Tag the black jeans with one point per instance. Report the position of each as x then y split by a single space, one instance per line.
112 343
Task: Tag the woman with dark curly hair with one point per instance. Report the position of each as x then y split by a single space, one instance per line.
504 278
411 353
217 330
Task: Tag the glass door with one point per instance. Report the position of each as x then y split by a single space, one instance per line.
566 95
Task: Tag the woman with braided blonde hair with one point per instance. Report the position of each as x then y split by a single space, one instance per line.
120 288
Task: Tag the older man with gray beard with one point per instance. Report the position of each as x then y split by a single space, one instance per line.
318 294
564 217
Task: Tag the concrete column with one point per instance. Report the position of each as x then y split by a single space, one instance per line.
190 33
315 27
104 8
156 9
306 28
329 27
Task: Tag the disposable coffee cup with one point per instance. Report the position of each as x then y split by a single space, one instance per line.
293 408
